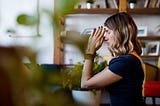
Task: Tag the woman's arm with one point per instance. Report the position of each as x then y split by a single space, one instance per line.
103 78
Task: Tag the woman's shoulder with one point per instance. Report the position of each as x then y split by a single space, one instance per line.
125 58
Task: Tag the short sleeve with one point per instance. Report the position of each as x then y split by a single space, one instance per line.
120 66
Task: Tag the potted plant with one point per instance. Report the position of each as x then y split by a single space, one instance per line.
132 3
89 3
72 80
143 45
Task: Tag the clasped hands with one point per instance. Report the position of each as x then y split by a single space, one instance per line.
95 40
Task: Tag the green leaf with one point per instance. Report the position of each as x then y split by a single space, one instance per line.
66 6
26 20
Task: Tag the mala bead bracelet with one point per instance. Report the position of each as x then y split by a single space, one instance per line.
89 56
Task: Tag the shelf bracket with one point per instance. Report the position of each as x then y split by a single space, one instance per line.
122 6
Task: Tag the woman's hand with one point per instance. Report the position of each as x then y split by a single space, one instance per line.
95 40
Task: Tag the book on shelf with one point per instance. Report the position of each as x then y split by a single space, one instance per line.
158 4
146 4
115 3
112 3
152 4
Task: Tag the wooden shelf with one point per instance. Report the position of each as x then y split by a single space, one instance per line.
96 11
150 56
149 38
147 11
141 11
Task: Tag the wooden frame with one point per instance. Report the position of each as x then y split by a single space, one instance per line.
153 48
142 30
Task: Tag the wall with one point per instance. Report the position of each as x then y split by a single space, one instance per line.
26 36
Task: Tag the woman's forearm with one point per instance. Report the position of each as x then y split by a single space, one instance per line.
87 72
94 43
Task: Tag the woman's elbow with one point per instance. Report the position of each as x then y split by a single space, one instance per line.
84 85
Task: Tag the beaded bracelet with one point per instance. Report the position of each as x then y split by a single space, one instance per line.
89 56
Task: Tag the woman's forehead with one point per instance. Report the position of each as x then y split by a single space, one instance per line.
107 29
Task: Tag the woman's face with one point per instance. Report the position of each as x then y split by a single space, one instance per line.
108 36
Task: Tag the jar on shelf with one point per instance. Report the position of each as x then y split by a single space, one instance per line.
89 3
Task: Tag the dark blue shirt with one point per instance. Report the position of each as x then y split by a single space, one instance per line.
128 91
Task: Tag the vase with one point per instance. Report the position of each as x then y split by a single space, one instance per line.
132 5
86 97
144 51
89 5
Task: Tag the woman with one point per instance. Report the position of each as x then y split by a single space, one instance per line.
124 76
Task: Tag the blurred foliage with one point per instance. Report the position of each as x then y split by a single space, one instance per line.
33 86
27 20
30 85
65 6
72 76
143 44
62 8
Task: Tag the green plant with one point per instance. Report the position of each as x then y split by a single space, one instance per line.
143 44
27 20
132 1
72 76
90 1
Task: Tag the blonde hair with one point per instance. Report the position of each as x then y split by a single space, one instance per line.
125 34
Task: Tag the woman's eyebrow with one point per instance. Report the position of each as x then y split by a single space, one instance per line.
106 30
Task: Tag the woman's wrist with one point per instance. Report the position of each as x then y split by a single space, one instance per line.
89 56
89 51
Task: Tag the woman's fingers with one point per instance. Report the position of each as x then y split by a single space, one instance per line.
100 34
97 31
97 34
93 32
97 37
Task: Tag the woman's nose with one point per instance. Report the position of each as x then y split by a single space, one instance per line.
105 37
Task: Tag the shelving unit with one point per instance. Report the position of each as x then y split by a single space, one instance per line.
151 37
58 48
96 11
147 11
150 56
